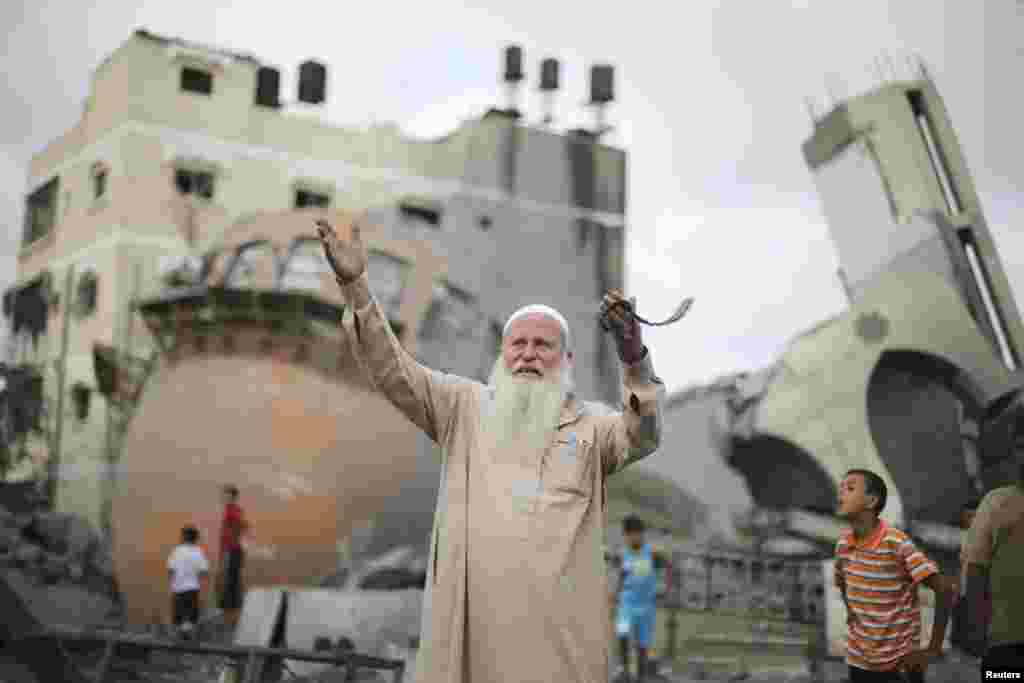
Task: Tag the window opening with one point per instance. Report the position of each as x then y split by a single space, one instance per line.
419 212
196 80
982 282
940 164
41 211
199 183
99 183
308 198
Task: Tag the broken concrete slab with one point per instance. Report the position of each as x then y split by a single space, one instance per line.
61 533
397 557
261 609
375 621
401 559
28 556
47 561
337 580
23 521
81 538
393 578
53 568
58 604
9 538
49 529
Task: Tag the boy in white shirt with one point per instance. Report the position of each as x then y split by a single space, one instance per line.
187 567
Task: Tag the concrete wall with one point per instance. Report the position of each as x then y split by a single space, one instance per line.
916 421
695 449
882 159
894 383
523 258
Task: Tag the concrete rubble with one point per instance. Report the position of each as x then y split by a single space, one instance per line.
62 570
377 623
374 607
59 566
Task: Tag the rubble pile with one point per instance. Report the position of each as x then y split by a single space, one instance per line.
59 566
62 570
374 603
401 568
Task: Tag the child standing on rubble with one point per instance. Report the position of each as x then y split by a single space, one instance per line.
187 567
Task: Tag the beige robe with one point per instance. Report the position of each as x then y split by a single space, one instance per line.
517 585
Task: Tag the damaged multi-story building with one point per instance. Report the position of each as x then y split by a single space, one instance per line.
907 380
915 378
179 315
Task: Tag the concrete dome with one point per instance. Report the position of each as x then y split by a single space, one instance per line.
257 387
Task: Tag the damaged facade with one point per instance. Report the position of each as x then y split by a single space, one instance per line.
918 379
187 193
914 378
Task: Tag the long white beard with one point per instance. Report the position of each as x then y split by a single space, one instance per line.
525 410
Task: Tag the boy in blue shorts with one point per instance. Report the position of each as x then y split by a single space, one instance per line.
637 596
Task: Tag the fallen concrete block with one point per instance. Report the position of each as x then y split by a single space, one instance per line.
81 538
51 528
375 621
28 556
10 538
261 610
6 518
58 604
53 568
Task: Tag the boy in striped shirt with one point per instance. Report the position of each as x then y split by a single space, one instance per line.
878 570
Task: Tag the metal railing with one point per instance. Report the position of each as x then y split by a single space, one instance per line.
748 585
255 659
778 597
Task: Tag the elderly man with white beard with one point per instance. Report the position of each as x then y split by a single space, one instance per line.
517 589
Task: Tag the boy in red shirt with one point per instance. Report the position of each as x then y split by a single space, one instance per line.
231 555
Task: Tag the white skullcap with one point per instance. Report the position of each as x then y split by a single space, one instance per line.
543 310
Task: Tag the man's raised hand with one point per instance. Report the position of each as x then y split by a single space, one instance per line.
617 316
617 311
347 257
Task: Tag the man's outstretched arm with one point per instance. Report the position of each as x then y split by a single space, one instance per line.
423 395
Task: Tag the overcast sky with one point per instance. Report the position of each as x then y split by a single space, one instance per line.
711 109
